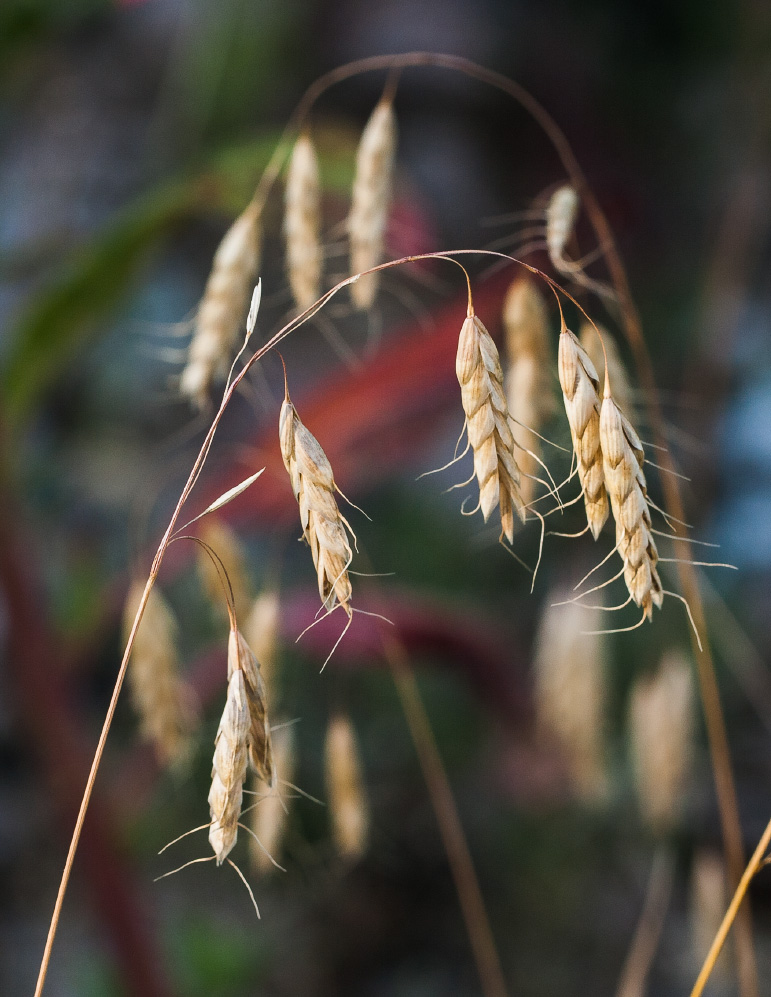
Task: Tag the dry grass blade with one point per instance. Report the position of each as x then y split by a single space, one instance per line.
370 200
348 805
229 768
487 424
241 658
222 309
165 703
302 223
579 382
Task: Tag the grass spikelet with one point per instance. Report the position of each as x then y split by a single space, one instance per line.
661 730
229 768
529 390
261 631
223 307
579 382
216 534
269 816
571 691
371 199
323 526
164 702
619 377
302 223
561 213
487 424
348 804
241 658
623 459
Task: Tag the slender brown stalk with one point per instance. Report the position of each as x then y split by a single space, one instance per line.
458 855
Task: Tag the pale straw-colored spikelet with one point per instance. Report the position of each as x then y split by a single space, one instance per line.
260 748
323 526
579 381
216 534
487 424
348 803
229 768
619 377
570 664
529 390
164 702
261 630
370 200
661 732
269 817
561 213
221 313
302 223
623 459
708 903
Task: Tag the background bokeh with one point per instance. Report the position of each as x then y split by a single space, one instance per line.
131 133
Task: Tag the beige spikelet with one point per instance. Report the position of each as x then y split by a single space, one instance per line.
371 199
529 391
570 663
579 382
561 213
221 313
241 658
164 702
623 459
223 541
270 815
324 528
487 424
302 223
261 630
348 804
619 377
708 903
229 768
661 732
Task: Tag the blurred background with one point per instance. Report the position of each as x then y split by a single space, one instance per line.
132 132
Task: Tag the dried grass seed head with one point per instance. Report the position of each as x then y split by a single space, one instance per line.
164 702
270 815
216 534
371 200
348 803
623 459
561 213
323 527
529 390
619 377
570 673
302 223
487 423
241 658
661 718
579 382
222 310
261 630
229 768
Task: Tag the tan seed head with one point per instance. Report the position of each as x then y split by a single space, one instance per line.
241 658
229 768
561 213
348 805
619 377
269 816
261 630
302 223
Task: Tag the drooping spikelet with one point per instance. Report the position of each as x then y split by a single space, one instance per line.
164 702
371 199
529 390
262 635
623 459
302 223
487 423
216 534
561 213
323 526
269 816
619 377
229 768
222 310
241 658
661 730
571 691
348 805
579 382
